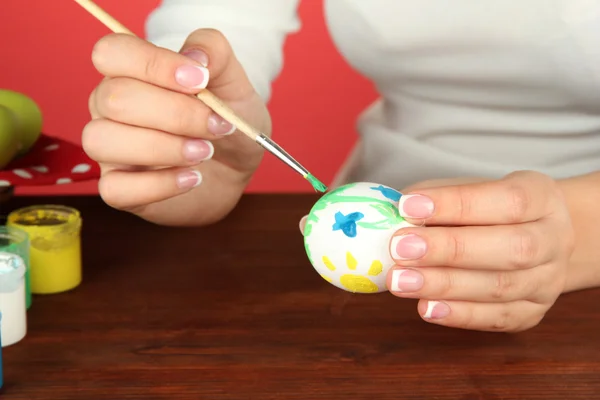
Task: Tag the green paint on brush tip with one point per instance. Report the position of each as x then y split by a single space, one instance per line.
316 184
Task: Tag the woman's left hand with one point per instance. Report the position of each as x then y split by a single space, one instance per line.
493 256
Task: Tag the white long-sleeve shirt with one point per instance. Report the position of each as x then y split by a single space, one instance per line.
467 87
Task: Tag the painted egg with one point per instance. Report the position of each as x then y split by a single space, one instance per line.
347 235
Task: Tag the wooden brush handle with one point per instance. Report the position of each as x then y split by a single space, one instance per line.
104 17
217 105
205 95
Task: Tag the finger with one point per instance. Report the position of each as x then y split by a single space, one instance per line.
228 79
519 197
95 115
92 104
126 190
210 53
137 103
489 317
302 224
120 55
502 247
107 141
472 285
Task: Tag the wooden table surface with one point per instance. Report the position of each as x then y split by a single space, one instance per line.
235 311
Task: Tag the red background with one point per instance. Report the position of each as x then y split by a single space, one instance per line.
45 51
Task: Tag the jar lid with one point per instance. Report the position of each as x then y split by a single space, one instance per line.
12 271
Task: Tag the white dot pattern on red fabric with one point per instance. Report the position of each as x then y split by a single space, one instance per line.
40 168
51 161
52 147
22 173
81 168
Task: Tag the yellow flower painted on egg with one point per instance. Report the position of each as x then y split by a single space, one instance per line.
352 281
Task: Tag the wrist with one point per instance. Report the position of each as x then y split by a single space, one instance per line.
582 196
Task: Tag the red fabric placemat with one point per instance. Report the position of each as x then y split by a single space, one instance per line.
51 161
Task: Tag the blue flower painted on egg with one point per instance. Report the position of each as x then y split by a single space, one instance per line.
347 223
391 194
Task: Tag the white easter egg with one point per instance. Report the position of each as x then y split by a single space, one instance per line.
347 235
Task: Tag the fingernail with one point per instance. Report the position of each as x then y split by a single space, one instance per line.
406 280
416 206
198 56
302 224
197 150
436 310
407 247
218 126
192 76
189 179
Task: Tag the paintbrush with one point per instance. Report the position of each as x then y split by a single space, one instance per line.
217 105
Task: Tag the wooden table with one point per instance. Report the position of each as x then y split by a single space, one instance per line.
235 311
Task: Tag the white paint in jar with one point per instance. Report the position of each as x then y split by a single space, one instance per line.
12 299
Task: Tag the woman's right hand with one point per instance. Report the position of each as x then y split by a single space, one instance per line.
164 155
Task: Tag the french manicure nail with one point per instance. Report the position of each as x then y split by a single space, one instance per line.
416 206
302 224
198 56
189 179
219 126
436 310
197 150
192 76
407 247
406 280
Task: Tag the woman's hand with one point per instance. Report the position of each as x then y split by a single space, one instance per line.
164 155
493 256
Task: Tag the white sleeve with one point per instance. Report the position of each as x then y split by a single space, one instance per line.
256 29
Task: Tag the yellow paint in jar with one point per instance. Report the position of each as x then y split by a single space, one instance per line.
55 246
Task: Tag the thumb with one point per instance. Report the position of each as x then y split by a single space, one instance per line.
433 183
228 80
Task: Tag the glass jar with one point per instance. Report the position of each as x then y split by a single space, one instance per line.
54 246
12 299
1 373
16 241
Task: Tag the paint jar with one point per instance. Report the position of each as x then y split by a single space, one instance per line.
54 246
16 241
12 298
1 373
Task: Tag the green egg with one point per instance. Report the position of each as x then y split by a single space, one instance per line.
9 136
28 114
